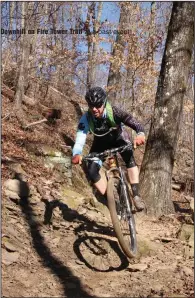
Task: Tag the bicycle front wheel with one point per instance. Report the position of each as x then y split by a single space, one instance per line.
123 220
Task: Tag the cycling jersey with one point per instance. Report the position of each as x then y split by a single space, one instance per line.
101 125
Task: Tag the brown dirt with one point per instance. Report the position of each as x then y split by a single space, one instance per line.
74 256
52 250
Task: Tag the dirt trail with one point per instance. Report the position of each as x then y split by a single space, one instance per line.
60 243
50 250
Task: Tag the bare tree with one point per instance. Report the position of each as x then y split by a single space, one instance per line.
94 57
114 77
90 13
157 166
23 72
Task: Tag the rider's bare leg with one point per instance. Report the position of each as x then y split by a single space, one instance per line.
133 174
101 185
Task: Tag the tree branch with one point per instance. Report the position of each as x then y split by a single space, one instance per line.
36 122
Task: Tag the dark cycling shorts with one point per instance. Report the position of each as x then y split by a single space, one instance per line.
102 144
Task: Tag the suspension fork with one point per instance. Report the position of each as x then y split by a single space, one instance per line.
122 181
126 194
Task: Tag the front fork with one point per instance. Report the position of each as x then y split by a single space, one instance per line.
126 192
117 172
129 214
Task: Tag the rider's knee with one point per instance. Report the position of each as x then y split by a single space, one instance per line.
93 172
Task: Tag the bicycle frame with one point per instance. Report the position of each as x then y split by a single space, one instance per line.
112 154
113 173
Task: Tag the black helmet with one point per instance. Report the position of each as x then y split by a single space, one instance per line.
95 97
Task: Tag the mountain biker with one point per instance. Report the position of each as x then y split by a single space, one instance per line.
97 121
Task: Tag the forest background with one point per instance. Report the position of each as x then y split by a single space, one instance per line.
68 47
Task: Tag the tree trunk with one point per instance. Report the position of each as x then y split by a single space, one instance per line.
11 16
17 5
129 85
91 12
23 74
114 77
95 45
157 166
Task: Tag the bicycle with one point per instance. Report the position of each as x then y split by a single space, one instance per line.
119 199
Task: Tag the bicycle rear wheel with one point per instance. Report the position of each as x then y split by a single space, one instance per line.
122 218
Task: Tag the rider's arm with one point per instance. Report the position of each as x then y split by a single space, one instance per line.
128 120
83 129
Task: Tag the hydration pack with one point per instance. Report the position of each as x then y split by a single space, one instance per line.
109 115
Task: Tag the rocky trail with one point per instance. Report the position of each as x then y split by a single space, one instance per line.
63 246
57 237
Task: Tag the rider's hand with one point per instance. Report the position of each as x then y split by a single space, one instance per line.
139 140
77 159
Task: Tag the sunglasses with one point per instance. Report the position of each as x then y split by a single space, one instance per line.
97 106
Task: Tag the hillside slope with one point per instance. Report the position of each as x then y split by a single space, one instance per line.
57 238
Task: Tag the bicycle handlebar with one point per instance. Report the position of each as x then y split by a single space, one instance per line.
108 152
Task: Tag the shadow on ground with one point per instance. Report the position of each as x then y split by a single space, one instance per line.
102 260
71 283
99 246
